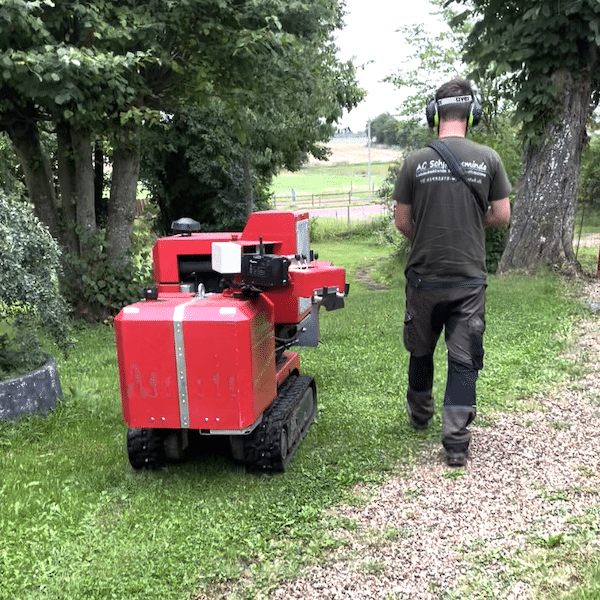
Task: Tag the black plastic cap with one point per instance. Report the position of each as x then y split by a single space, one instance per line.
150 293
185 226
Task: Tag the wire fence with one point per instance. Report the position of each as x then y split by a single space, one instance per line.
344 203
353 197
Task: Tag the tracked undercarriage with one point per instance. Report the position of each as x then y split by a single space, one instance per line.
268 448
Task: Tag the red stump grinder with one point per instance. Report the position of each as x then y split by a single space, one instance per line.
206 351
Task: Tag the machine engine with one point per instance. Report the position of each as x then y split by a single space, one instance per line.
207 350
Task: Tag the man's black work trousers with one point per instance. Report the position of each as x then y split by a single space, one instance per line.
460 312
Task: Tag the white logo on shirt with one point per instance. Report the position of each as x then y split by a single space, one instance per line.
437 170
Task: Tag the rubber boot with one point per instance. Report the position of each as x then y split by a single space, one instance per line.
420 406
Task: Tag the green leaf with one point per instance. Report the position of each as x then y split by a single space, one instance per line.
62 98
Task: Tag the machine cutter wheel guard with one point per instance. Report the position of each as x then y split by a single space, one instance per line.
207 350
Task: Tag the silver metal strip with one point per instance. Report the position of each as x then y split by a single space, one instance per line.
302 239
184 411
304 304
245 431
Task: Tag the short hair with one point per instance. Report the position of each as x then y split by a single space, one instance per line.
451 89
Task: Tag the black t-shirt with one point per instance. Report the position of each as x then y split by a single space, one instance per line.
449 234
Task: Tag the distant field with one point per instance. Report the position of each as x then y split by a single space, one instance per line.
335 178
353 153
347 170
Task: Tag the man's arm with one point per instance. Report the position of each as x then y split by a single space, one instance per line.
498 213
403 219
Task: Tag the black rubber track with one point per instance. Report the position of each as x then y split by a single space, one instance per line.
146 448
262 448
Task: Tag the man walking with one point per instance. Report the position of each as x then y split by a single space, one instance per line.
443 209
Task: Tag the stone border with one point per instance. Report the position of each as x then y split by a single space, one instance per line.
35 392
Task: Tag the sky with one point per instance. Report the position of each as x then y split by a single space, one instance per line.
370 34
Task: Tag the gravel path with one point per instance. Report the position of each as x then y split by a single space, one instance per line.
532 484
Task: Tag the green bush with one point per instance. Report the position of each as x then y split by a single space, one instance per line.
20 350
96 288
389 234
31 306
495 242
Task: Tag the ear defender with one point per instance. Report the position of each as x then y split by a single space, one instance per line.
433 116
476 113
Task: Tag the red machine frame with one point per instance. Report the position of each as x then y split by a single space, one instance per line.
207 349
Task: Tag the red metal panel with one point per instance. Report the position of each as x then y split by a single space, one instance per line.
229 355
275 224
318 275
304 282
229 349
286 304
287 368
147 366
166 250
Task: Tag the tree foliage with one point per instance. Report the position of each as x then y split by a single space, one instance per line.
546 54
193 167
11 180
91 72
529 47
437 58
434 59
408 134
384 129
590 174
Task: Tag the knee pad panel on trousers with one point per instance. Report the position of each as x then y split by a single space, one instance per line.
460 385
420 373
476 329
456 435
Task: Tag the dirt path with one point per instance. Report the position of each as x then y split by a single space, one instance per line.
531 486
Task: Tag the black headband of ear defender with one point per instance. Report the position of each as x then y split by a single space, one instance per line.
433 117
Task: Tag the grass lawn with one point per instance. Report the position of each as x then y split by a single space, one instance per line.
331 179
78 522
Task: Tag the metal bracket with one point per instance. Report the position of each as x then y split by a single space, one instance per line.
330 298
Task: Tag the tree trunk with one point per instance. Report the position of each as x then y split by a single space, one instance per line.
248 187
66 177
38 173
100 200
122 202
543 218
84 185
